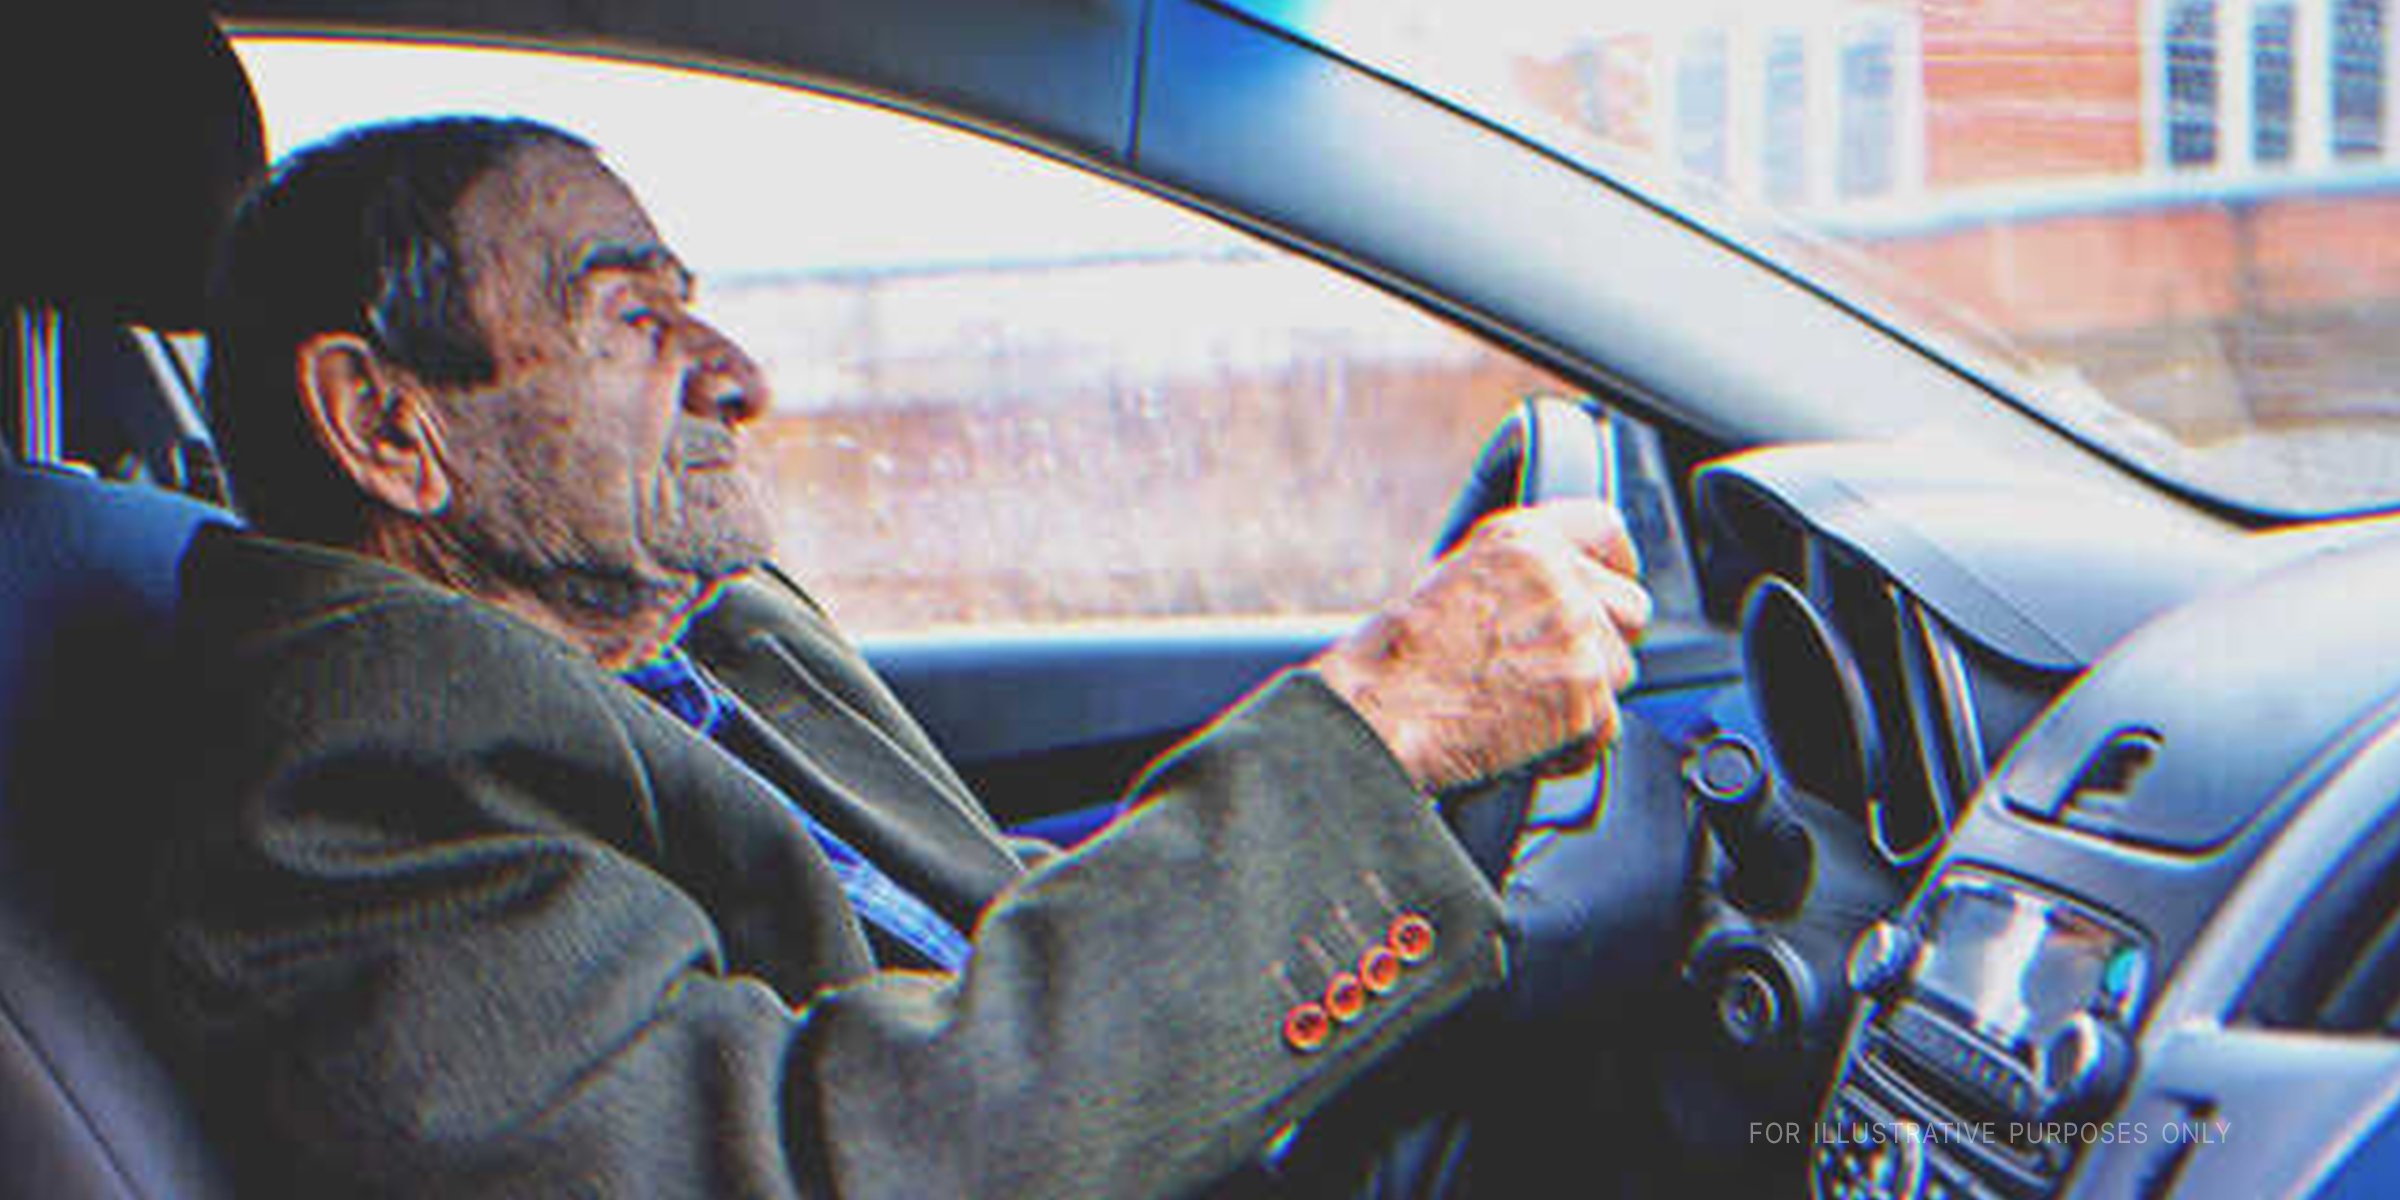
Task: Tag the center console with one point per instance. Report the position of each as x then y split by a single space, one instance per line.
1996 1032
2147 958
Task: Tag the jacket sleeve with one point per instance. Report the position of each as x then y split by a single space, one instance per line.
447 935
1140 1016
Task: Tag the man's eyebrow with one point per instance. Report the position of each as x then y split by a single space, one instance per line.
643 258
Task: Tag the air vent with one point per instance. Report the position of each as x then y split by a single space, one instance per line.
2337 967
2097 799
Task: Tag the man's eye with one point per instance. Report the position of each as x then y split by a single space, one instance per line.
649 322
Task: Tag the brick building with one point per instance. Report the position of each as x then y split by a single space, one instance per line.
2189 202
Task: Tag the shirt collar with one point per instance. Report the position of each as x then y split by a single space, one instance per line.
673 680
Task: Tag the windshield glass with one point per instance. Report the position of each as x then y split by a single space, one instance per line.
2164 224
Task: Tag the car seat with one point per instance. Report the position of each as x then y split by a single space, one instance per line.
87 589
132 130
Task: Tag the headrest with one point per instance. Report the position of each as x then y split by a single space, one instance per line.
130 134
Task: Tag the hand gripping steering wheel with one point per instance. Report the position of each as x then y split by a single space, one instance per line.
1547 449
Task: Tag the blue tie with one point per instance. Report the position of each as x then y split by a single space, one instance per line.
677 684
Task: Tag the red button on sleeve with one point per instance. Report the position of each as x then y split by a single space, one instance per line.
1306 1027
1345 997
1379 970
1411 937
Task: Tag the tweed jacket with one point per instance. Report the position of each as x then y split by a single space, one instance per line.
445 909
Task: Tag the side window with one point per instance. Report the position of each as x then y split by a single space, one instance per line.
1008 392
1214 429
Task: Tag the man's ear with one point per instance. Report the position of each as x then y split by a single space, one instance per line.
377 424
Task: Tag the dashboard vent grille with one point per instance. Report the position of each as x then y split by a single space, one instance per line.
2337 966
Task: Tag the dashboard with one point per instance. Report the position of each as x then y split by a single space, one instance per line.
2102 813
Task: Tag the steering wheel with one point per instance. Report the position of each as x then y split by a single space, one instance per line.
1546 449
1630 920
1595 908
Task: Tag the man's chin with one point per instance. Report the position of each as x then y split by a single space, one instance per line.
716 558
723 532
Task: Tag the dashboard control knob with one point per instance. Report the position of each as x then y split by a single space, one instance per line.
1750 1009
2084 1066
1881 959
1726 769
1771 858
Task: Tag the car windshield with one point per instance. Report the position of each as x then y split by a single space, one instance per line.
2164 225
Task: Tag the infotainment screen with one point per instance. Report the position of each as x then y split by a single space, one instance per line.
2013 965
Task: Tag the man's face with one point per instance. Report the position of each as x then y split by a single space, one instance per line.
608 444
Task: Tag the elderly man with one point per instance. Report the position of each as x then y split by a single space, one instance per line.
545 842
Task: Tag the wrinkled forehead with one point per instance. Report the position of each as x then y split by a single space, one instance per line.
547 218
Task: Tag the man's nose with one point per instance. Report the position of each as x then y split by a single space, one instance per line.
723 382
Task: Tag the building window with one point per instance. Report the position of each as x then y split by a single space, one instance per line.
1783 120
2358 58
2271 82
2269 85
2191 56
1870 122
1700 110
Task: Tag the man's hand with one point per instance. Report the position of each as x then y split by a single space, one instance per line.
1513 649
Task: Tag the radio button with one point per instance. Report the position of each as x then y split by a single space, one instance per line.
1881 959
2085 1066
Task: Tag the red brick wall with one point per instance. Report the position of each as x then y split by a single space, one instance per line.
2095 274
2202 317
2328 251
2024 89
